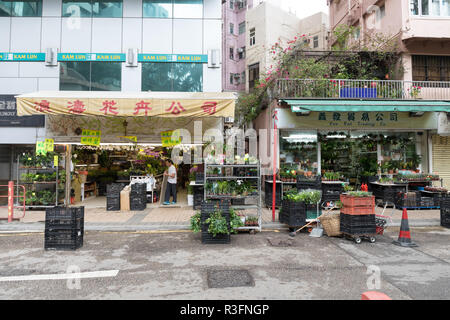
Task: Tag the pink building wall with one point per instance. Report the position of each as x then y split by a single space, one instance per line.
235 40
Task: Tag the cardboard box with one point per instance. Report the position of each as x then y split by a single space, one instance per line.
125 199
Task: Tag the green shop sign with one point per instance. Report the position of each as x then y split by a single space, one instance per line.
187 58
118 57
22 56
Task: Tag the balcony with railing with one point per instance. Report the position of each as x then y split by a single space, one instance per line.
362 89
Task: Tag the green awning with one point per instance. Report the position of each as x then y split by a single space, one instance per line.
301 105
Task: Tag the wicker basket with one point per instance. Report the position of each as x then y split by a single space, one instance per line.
331 223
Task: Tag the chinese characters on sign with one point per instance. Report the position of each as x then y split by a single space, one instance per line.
40 148
142 105
209 107
76 106
91 137
176 109
369 119
49 145
43 106
170 138
108 107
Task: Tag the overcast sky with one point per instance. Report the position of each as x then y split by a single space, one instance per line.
302 8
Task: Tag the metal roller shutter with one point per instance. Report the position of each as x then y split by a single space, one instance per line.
441 158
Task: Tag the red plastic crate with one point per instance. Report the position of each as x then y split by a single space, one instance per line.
348 201
355 211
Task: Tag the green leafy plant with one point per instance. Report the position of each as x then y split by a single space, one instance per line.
195 222
217 224
235 221
359 194
306 196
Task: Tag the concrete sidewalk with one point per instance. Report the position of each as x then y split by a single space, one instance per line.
160 218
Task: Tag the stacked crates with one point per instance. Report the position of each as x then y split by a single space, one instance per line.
198 197
331 191
268 191
64 228
357 215
113 196
207 209
445 211
293 213
304 183
138 197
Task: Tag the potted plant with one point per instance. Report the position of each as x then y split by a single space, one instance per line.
218 227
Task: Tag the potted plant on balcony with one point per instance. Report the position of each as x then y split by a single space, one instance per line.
415 92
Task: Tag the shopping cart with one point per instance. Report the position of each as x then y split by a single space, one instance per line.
381 223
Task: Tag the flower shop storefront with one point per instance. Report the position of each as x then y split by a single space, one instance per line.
353 140
114 137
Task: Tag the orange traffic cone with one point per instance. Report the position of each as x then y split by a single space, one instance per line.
404 238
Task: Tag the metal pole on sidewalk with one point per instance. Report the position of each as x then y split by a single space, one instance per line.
68 182
274 170
10 201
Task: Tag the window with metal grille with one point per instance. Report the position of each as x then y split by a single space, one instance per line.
431 68
231 28
231 53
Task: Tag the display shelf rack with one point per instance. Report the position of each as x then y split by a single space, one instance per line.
31 185
257 178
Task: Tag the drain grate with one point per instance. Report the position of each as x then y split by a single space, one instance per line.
229 278
280 242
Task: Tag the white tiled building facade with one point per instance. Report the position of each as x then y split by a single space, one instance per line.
180 30
156 28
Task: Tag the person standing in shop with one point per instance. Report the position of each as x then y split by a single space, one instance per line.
171 188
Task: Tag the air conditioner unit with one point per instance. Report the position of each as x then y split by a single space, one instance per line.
236 75
240 50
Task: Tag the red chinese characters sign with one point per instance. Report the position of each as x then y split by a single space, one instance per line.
108 107
76 107
43 106
142 105
209 107
176 108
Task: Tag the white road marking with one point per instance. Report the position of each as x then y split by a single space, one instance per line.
63 276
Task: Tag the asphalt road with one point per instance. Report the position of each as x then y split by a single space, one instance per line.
271 265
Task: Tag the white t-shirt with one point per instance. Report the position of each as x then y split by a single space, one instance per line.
171 171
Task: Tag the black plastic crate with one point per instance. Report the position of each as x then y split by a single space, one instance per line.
64 213
114 189
208 238
112 204
358 230
445 217
409 199
65 224
138 189
63 244
357 220
444 202
305 183
292 220
199 177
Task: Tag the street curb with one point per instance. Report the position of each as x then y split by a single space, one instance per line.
40 227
